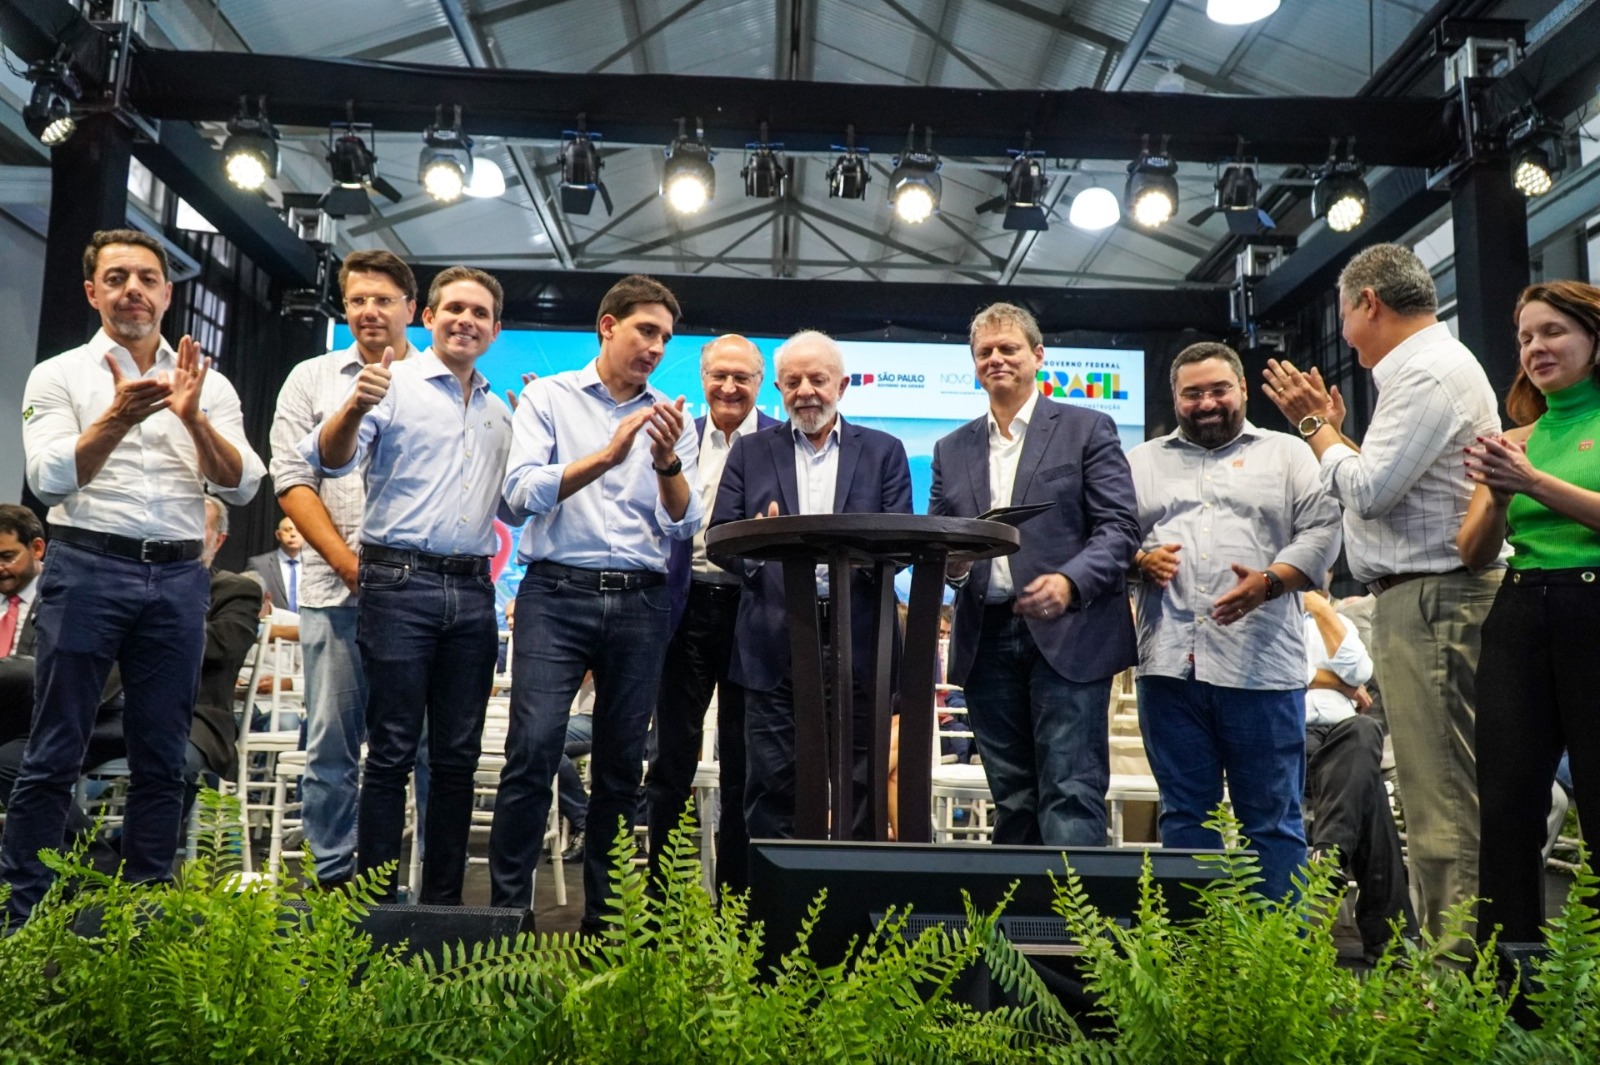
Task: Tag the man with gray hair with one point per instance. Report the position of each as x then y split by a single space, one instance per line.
1039 636
814 463
1404 495
705 602
1234 523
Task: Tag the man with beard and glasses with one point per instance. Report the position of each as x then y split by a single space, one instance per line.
815 463
380 298
1234 523
1040 635
123 437
432 438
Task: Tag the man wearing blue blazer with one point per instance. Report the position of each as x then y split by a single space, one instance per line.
705 604
1039 635
814 463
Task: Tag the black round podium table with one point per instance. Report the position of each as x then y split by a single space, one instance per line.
824 704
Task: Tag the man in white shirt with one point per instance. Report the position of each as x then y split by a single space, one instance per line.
1404 494
705 605
123 437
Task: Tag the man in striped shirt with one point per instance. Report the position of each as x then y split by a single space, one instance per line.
1404 493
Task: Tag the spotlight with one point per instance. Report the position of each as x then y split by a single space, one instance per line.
1239 12
689 181
1151 198
1235 195
1340 194
48 114
445 165
1026 182
1537 155
580 171
914 185
764 173
848 177
250 154
353 161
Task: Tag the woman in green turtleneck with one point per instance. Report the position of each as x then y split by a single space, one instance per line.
1539 488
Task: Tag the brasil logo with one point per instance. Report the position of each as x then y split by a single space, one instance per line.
1058 384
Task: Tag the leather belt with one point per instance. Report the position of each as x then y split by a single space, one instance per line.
600 580
1379 585
157 551
715 590
1577 575
449 565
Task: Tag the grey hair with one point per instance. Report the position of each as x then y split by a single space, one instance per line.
1395 274
217 506
1202 351
754 352
807 336
1001 315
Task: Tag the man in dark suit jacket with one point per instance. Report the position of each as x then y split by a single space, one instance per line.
1040 635
815 463
705 603
269 567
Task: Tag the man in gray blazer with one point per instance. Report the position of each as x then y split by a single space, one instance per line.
1039 635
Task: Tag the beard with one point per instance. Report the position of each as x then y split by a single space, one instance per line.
1213 433
129 328
812 419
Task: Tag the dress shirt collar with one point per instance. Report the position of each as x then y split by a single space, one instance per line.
589 381
283 557
1407 350
1024 416
831 440
26 593
430 366
1249 431
351 356
101 345
745 428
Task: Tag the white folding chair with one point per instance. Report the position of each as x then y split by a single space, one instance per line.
257 752
706 788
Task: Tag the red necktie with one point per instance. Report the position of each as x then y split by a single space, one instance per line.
8 624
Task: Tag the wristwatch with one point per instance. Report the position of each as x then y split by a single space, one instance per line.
672 469
1310 424
1274 584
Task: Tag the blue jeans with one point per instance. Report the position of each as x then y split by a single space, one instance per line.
1043 739
428 646
574 799
336 701
1196 734
564 630
93 610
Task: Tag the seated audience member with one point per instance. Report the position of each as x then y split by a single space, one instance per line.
1538 486
1345 796
230 633
279 569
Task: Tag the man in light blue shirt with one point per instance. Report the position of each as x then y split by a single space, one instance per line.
604 466
434 437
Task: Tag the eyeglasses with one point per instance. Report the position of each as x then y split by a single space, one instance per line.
743 380
383 303
1217 393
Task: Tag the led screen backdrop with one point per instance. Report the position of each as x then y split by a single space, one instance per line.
917 391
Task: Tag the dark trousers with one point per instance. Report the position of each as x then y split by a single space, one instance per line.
1350 815
1043 738
1535 697
697 663
93 610
565 629
428 647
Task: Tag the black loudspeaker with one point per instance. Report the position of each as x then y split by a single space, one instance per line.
426 929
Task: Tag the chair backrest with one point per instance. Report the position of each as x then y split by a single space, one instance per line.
246 705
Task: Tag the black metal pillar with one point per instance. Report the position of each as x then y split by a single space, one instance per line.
1490 218
88 192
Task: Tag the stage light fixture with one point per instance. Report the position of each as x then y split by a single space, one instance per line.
1151 198
849 177
1094 208
765 174
580 170
1340 193
250 154
1026 183
914 185
1235 197
1537 154
445 165
688 181
1239 12
353 162
48 113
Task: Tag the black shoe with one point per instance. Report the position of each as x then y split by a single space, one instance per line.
574 851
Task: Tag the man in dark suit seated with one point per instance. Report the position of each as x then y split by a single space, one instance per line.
230 633
1040 634
815 463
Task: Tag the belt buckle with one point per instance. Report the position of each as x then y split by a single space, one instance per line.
147 552
612 581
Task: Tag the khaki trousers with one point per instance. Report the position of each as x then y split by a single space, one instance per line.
1425 636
